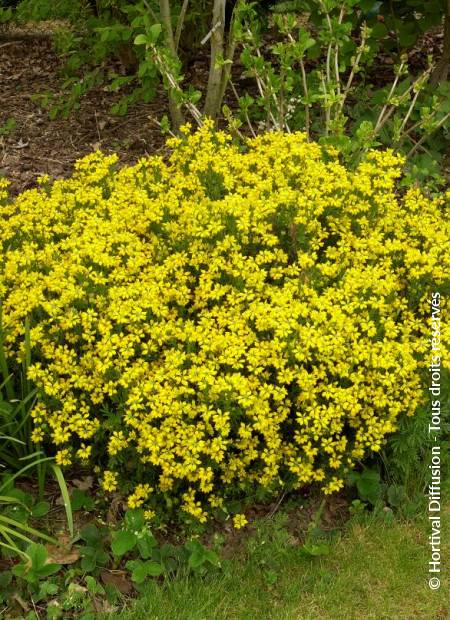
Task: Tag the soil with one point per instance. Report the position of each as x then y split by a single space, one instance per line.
39 145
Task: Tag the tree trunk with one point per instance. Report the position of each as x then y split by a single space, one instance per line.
214 89
231 49
442 69
175 113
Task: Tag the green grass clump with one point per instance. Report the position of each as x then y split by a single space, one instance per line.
376 570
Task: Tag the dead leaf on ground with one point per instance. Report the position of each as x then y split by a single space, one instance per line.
21 602
118 579
64 553
84 484
21 144
115 507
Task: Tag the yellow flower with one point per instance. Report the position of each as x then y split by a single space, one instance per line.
239 521
140 494
63 457
117 442
109 482
84 452
37 435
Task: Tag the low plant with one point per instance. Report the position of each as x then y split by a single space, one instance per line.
92 571
8 127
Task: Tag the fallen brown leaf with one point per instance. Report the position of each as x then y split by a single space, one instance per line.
118 579
64 554
84 484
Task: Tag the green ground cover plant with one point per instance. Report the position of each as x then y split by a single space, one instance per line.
375 569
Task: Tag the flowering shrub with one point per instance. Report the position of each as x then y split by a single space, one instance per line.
225 320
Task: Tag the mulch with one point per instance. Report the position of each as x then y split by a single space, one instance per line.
39 145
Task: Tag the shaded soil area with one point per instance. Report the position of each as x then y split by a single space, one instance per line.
36 145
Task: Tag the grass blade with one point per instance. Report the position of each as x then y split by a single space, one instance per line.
25 528
23 470
65 495
13 548
6 499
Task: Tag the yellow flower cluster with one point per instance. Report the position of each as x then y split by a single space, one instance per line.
226 319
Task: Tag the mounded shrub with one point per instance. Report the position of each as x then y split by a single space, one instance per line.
225 320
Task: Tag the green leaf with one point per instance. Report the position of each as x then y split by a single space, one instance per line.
37 554
407 36
40 509
46 590
24 498
141 39
18 513
123 542
54 611
196 559
146 543
65 495
368 485
198 553
154 569
379 31
304 41
5 579
19 570
212 557
194 545
88 564
91 535
154 33
312 550
138 571
366 5
396 495
93 586
141 570
80 499
134 519
47 570
36 566
6 409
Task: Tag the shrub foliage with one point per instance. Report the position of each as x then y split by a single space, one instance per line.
225 320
